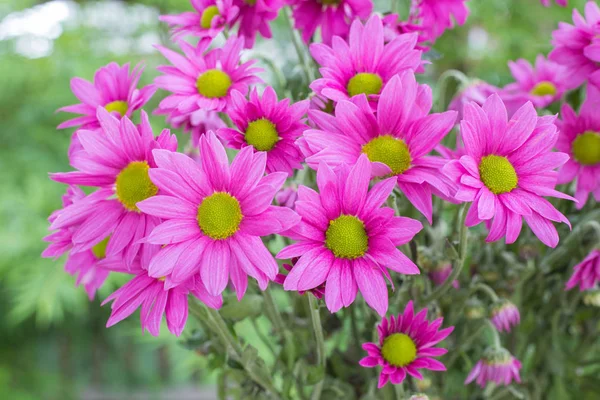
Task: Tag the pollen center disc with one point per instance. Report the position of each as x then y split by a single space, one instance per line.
586 148
399 350
364 82
213 84
208 15
498 174
134 185
389 150
219 215
261 134
544 88
346 237
117 106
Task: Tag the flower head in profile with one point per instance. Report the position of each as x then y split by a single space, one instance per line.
116 160
114 88
196 123
318 291
498 366
208 19
396 139
438 15
439 272
214 216
507 168
287 196
577 47
505 315
476 90
254 17
365 64
332 16
268 125
406 345
203 79
587 273
346 239
562 3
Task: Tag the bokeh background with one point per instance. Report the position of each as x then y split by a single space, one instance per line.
53 344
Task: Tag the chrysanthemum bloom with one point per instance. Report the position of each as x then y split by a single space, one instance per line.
577 47
438 15
254 17
155 299
347 239
268 125
587 272
504 315
208 19
562 3
196 123
477 91
580 138
542 85
333 16
214 216
287 196
365 64
498 366
202 80
318 291
114 88
507 167
405 346
439 272
396 139
117 161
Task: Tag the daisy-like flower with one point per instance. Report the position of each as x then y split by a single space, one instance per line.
542 85
562 3
498 366
346 239
116 160
114 88
507 167
406 344
196 123
254 17
505 315
208 19
287 196
438 15
396 139
202 80
214 216
577 46
333 16
268 125
365 64
587 272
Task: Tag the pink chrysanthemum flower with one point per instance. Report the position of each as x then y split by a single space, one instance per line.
114 88
507 167
347 239
268 125
542 85
155 298
405 346
580 138
255 16
438 15
208 19
438 273
577 46
333 16
498 366
116 160
505 315
393 27
477 91
202 80
196 123
587 272
318 291
397 138
287 196
562 3
214 216
365 64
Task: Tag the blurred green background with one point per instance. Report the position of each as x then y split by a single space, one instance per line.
53 344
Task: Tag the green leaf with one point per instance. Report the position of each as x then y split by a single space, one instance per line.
250 306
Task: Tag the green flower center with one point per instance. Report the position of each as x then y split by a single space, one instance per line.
213 84
207 16
389 150
261 134
346 237
364 82
219 215
399 350
586 148
250 2
543 89
330 2
99 250
119 106
498 174
134 185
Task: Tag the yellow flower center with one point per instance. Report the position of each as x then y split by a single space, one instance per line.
364 82
250 2
99 250
399 350
119 106
543 89
134 185
586 148
219 215
389 150
213 84
346 237
207 16
498 174
261 134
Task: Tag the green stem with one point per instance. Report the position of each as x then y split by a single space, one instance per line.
399 391
464 344
315 318
263 338
443 83
272 312
355 333
304 61
482 287
497 343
